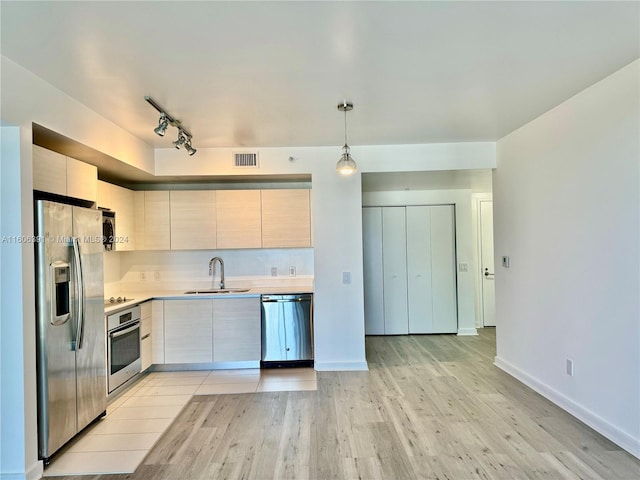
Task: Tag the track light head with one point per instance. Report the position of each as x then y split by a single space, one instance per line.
163 123
181 140
190 150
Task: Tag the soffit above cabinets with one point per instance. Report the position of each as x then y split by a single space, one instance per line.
114 171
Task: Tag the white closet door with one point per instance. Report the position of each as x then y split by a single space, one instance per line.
443 269
394 261
373 289
419 269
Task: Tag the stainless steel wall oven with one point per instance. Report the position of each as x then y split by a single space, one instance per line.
123 346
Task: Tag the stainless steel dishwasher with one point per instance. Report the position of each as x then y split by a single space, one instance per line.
287 331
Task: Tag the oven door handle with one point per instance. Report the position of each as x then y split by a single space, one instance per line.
119 333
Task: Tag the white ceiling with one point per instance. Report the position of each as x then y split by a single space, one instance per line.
271 73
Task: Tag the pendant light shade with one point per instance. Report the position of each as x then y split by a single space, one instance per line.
346 165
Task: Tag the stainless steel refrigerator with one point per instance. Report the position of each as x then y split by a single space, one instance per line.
71 357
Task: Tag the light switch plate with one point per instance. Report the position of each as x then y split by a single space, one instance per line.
463 267
292 271
346 277
505 261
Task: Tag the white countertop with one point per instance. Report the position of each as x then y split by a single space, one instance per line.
137 298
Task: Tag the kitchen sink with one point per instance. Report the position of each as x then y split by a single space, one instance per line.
217 290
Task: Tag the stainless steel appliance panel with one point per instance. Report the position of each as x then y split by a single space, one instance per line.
71 368
91 351
57 422
286 328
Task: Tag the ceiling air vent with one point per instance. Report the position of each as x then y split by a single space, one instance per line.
245 160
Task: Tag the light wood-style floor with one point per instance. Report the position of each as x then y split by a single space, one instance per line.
431 407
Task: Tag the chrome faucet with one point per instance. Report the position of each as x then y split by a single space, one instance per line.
212 270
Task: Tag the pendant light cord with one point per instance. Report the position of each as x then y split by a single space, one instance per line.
345 126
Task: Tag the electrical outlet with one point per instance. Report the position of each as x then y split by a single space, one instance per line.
156 276
274 271
346 277
143 276
292 271
569 367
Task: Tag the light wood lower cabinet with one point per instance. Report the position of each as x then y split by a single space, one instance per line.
236 330
157 332
146 339
188 331
208 330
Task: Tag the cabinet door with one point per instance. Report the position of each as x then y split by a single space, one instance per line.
373 273
188 331
157 332
124 201
146 343
419 269
286 219
193 220
236 330
239 219
138 215
82 180
105 195
443 269
49 171
394 260
157 235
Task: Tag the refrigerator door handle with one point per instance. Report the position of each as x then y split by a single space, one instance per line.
81 299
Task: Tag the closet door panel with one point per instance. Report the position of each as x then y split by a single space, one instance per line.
373 272
419 269
443 269
394 253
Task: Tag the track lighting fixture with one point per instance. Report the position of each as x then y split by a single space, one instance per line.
184 136
346 165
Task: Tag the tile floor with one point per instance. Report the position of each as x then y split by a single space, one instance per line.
138 417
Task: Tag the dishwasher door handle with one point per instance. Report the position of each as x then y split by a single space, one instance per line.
304 298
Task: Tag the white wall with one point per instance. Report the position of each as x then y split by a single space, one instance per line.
566 211
464 240
18 431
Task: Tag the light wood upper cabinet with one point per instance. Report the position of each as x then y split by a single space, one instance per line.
62 175
138 215
239 222
193 219
157 232
286 218
49 171
236 330
82 180
121 201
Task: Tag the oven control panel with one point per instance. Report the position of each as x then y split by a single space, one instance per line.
123 317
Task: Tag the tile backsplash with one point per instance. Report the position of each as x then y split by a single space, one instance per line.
128 272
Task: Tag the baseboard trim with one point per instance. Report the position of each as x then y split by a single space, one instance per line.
467 331
340 366
34 473
599 424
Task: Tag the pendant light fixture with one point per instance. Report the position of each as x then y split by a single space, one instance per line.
346 165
